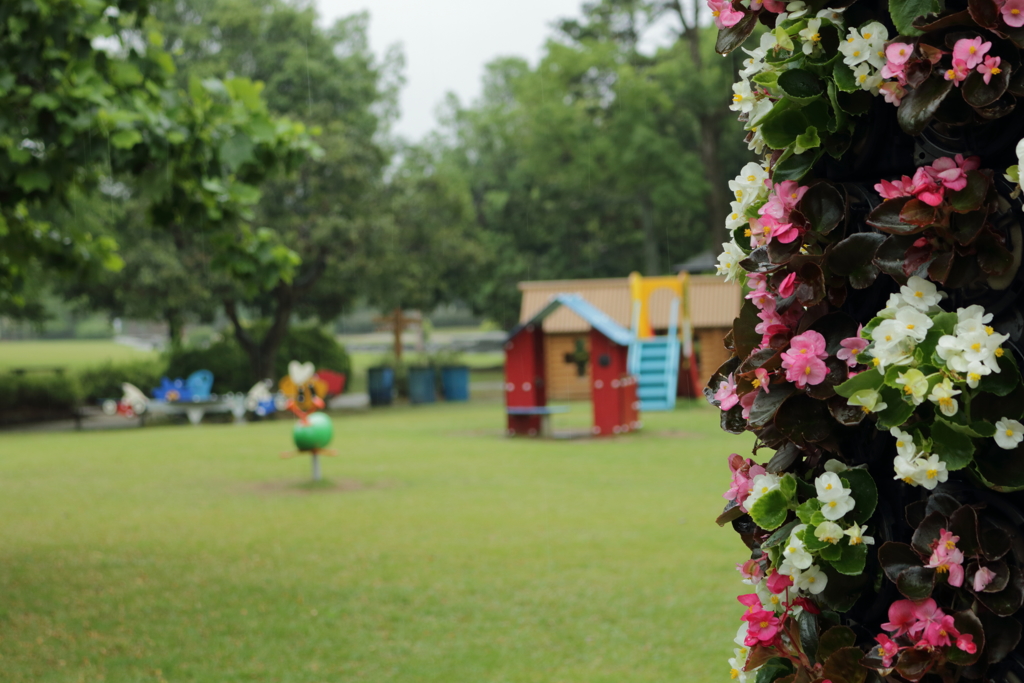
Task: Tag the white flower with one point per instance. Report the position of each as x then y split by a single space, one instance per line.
972 319
830 487
833 15
811 37
762 484
750 179
934 472
835 509
921 470
854 49
893 354
769 600
1009 433
743 97
741 635
894 304
915 385
869 400
867 78
736 219
875 35
813 580
1020 153
829 532
975 371
756 143
761 109
942 396
795 552
950 350
920 294
729 261
890 333
795 9
904 442
736 664
856 534
915 324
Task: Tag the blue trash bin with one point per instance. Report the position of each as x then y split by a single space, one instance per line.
381 385
455 382
421 385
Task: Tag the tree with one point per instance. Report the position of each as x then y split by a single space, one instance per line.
326 212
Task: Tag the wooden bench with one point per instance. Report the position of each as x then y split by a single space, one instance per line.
544 412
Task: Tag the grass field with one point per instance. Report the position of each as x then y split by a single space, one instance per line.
73 354
443 552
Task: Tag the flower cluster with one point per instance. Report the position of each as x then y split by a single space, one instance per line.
930 183
744 474
864 52
975 348
923 626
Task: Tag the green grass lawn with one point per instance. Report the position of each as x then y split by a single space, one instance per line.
73 354
444 553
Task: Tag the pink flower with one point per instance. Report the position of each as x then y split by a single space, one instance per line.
852 347
893 92
776 6
767 228
925 613
778 583
970 51
752 602
982 578
959 72
804 370
897 71
926 189
939 632
809 343
899 53
1013 13
762 627
902 617
952 173
965 642
751 571
887 649
895 189
763 381
788 194
726 394
724 14
946 558
990 68
747 402
762 298
787 286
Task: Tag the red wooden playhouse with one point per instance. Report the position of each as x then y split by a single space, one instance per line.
612 388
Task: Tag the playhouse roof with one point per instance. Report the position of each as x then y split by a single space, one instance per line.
714 303
585 311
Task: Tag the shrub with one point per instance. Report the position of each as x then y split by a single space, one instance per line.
38 392
230 366
104 381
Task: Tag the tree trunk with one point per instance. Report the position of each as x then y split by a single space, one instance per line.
717 202
175 328
263 353
652 265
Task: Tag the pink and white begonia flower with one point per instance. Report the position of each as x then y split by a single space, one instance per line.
726 394
952 173
899 54
926 189
896 188
746 403
724 13
778 583
743 473
751 571
982 578
940 633
902 617
990 68
970 51
1012 12
947 559
965 642
763 381
959 72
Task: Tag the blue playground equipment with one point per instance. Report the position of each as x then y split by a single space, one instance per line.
653 360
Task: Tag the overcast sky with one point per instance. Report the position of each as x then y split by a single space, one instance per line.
448 42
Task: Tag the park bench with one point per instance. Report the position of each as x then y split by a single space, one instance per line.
545 413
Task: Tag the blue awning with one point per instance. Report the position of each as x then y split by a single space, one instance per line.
594 316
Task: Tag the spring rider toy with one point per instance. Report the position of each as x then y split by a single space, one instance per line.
314 430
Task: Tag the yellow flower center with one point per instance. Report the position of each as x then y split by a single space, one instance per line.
832 504
747 233
946 402
867 36
857 53
734 673
974 376
828 487
899 444
807 370
989 331
910 326
751 178
1009 432
976 346
973 49
815 38
756 383
999 352
950 75
932 474
919 295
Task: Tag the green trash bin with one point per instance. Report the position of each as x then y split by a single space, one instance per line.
421 385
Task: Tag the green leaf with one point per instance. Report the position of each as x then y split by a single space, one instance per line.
918 108
731 38
800 85
845 80
807 509
869 379
834 639
864 493
897 411
770 510
237 150
852 560
1003 382
45 101
30 179
808 140
904 12
971 197
788 486
780 536
795 167
830 552
812 542
781 131
126 139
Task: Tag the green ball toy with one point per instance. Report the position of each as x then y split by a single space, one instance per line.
314 435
